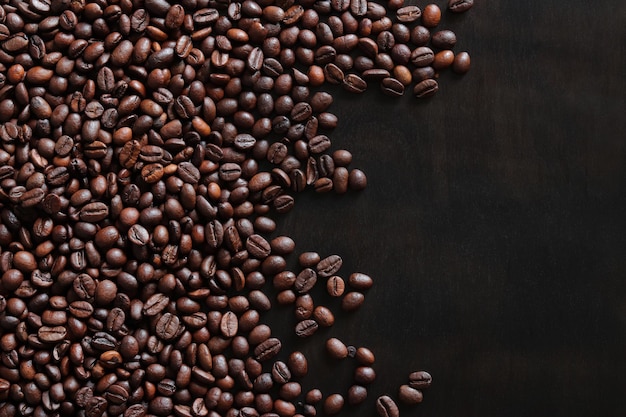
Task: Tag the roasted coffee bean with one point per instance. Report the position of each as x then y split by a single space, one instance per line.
305 280
323 316
408 14
420 380
460 6
422 56
431 15
333 404
364 356
94 212
360 281
426 88
268 349
443 59
410 396
168 326
336 348
364 375
352 301
306 328
392 87
52 334
229 324
354 84
280 372
329 266
357 394
138 235
461 63
335 286
387 407
444 39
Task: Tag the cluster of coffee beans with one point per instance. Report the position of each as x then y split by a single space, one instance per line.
144 145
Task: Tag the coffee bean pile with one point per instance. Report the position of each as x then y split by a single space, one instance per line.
145 146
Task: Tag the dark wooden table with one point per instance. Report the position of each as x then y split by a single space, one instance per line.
494 222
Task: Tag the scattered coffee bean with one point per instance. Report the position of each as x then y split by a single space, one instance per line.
137 185
420 380
387 407
410 396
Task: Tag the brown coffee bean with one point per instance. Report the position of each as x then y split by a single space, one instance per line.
352 301
408 14
94 212
360 281
420 380
410 396
229 324
336 348
168 327
329 266
460 6
461 63
335 286
426 88
387 407
333 404
52 334
357 394
267 349
306 328
305 280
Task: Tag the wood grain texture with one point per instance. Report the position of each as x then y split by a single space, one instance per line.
493 222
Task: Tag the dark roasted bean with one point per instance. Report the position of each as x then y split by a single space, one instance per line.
386 407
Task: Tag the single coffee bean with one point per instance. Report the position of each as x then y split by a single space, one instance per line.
309 259
229 324
335 286
280 372
443 59
360 281
392 87
94 212
352 301
188 172
53 334
268 349
298 364
305 280
306 328
354 84
461 63
422 56
329 266
408 14
138 235
336 348
444 39
410 396
357 394
323 316
426 88
387 407
364 356
420 380
258 247
460 6
431 15
364 375
333 404
168 327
